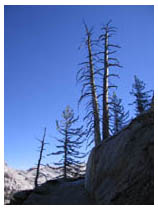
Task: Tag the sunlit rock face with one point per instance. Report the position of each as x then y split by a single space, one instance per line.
14 181
121 169
17 180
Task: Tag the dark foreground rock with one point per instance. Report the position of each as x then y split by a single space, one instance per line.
121 169
55 192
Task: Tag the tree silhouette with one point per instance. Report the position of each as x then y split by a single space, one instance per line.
118 117
142 97
86 76
40 157
69 144
108 61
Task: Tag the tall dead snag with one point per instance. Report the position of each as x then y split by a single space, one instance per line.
40 157
108 61
86 76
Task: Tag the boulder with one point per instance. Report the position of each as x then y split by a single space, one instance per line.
121 169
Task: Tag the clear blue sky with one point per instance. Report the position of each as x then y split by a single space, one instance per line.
41 61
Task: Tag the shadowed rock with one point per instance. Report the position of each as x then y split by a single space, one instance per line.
57 192
121 169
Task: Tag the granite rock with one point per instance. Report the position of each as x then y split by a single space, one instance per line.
121 169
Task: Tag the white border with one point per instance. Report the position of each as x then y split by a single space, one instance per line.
78 2
155 103
2 102
81 2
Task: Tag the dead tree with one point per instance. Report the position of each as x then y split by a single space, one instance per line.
69 145
40 157
86 76
108 62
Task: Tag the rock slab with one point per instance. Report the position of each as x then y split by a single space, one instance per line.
121 169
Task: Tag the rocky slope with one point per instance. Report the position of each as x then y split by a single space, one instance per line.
55 192
121 169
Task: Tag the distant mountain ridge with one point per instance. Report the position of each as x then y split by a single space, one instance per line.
17 180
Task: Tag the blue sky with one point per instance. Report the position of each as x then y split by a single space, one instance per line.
41 61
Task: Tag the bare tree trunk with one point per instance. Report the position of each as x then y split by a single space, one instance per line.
94 97
40 158
109 61
65 155
105 125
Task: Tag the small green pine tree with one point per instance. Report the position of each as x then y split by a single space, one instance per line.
118 116
142 97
